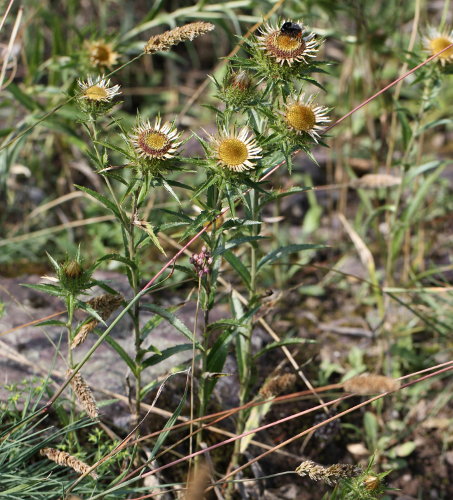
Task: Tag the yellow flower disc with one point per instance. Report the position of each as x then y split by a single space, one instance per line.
96 93
300 117
439 43
154 144
232 152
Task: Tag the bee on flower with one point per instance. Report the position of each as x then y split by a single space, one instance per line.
288 44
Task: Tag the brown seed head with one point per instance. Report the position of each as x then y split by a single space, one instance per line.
330 475
371 384
84 395
106 304
198 482
67 460
277 384
83 333
163 42
376 181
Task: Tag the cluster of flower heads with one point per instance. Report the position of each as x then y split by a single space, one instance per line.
202 262
288 46
232 150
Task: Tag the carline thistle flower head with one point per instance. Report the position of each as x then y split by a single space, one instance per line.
98 90
101 53
155 142
302 115
235 151
435 41
288 44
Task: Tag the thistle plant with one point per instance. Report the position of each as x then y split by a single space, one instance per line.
268 106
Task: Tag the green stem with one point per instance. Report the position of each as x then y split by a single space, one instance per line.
244 390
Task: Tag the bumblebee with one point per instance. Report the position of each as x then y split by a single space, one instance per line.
293 30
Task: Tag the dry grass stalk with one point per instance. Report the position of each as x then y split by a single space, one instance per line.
66 460
376 181
366 385
330 475
164 41
104 305
198 482
277 384
84 395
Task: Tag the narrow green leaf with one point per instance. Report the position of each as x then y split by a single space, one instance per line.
221 249
225 323
166 353
23 98
275 195
50 289
173 320
285 250
148 228
119 258
216 360
51 322
241 342
170 422
239 267
102 199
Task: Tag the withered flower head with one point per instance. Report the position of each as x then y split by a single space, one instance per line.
101 53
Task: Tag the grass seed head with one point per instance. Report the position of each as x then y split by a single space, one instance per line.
277 384
370 384
329 475
164 41
66 460
84 395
